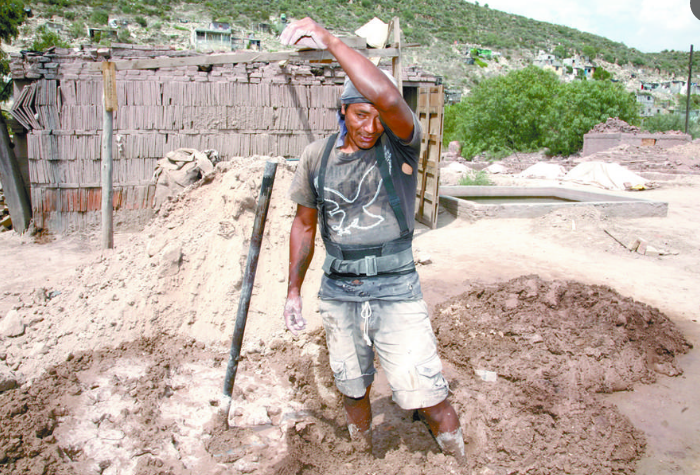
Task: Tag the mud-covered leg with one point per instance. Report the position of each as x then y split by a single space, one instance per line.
359 416
444 425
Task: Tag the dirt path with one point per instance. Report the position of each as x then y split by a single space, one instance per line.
129 405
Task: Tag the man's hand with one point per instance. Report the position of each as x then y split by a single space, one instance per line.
292 315
306 33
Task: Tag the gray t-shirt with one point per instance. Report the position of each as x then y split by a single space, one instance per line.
358 209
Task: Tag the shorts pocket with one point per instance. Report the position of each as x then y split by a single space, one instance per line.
338 368
431 370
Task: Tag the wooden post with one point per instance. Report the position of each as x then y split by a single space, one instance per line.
109 77
12 183
687 99
396 65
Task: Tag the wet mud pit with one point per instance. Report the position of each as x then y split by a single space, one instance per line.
527 361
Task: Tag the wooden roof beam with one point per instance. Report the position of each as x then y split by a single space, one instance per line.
233 58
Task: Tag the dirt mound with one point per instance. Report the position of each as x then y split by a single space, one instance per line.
120 368
524 359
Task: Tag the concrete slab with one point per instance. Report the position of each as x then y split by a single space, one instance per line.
532 202
597 142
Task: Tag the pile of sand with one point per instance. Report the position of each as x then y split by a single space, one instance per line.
181 276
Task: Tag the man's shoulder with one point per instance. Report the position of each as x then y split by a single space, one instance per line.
416 137
315 148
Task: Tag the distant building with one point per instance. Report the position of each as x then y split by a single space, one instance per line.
219 36
648 107
216 37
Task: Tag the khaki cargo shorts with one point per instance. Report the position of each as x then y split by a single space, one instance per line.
404 341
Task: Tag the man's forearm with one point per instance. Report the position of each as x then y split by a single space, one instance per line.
301 252
366 77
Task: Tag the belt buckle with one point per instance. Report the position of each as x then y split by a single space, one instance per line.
370 265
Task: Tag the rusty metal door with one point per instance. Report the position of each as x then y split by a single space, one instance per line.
431 101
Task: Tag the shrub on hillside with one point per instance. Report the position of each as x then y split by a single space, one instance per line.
45 39
579 106
99 17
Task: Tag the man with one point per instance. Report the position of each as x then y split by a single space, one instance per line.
359 187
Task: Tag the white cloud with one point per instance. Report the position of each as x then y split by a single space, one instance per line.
648 25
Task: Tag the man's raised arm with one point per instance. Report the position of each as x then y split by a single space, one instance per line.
369 80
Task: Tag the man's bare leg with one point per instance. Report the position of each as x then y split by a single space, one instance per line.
444 424
359 415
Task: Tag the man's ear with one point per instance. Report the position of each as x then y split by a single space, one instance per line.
342 109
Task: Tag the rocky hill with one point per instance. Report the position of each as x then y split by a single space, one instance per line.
442 34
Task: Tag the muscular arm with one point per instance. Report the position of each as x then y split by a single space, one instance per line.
301 248
367 78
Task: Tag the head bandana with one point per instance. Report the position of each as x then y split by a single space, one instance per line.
351 95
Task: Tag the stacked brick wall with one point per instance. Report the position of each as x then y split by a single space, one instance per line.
239 110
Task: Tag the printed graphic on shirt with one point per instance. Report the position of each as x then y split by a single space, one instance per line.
348 213
357 203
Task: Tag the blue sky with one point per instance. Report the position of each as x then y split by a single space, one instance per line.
648 25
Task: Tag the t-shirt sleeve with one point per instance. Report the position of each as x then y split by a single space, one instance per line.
408 151
302 190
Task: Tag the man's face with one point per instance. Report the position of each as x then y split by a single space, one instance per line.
364 127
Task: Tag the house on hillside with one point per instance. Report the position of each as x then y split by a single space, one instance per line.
220 37
569 68
215 38
581 66
678 87
673 87
550 62
647 102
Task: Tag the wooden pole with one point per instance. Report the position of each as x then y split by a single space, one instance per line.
109 76
396 65
687 99
249 276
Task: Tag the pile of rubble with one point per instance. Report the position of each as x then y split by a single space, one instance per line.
614 125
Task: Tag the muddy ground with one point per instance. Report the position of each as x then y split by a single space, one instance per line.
548 333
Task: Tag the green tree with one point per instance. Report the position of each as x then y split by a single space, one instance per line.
682 100
601 74
11 17
504 113
530 110
581 105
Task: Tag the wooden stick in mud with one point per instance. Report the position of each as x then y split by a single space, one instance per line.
249 276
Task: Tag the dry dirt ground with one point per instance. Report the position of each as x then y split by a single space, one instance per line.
565 352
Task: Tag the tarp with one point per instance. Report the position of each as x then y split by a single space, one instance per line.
550 171
177 170
611 176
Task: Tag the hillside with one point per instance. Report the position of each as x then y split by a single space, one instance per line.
445 30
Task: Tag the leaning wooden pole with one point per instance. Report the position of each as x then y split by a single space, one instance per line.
109 76
12 183
687 98
249 276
